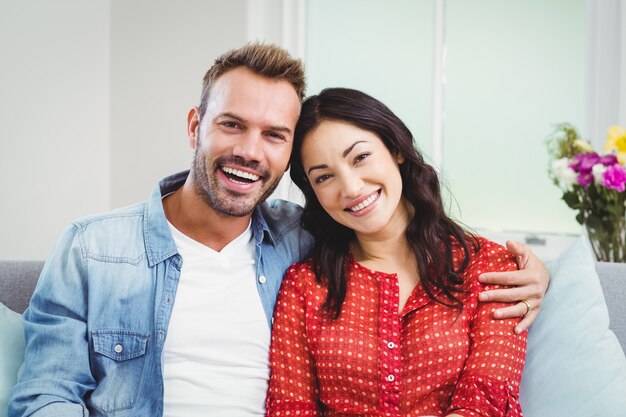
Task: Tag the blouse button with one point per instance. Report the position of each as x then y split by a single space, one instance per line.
118 348
262 279
390 377
391 345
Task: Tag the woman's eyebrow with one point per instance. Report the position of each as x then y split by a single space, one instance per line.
349 148
322 166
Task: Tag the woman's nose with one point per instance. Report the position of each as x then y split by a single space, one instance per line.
351 185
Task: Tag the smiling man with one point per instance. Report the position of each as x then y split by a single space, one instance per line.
164 308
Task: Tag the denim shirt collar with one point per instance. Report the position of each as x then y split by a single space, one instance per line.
159 242
260 229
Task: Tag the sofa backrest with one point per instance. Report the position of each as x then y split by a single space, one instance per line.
18 280
17 283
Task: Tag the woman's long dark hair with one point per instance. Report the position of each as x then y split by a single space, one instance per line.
431 234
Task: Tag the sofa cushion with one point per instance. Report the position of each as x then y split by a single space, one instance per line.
11 353
574 364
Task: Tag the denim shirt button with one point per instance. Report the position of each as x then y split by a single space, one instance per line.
118 348
262 279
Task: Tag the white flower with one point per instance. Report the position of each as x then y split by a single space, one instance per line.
598 173
565 175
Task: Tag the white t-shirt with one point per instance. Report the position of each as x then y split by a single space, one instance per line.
216 352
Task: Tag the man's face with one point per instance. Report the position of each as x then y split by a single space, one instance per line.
243 142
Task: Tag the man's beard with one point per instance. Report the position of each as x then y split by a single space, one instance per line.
224 201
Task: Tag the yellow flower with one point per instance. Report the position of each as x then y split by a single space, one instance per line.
616 143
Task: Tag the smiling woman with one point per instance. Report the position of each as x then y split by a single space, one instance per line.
385 319
352 173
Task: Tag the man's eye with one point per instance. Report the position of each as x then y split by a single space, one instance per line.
230 125
276 136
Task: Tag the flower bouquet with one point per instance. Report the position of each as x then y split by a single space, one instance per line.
594 185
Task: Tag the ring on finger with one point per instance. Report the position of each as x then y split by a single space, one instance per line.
528 307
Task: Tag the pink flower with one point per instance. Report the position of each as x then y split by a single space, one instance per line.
583 162
614 178
585 178
608 159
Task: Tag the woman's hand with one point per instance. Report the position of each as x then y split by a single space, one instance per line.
527 285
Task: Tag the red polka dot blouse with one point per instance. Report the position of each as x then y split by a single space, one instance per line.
430 360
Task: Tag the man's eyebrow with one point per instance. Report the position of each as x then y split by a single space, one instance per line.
241 119
349 148
231 115
281 129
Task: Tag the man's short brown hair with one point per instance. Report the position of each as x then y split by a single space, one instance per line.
267 60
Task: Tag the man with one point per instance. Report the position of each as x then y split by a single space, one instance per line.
164 307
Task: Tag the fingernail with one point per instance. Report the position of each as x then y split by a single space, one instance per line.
497 314
482 297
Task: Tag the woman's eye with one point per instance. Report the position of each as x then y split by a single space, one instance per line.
322 178
361 157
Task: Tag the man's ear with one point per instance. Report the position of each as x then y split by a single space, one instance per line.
193 125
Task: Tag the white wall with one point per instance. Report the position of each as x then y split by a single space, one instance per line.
54 119
160 50
94 95
606 65
93 104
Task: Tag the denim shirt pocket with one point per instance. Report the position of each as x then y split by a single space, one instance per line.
117 362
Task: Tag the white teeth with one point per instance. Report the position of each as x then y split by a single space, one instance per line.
365 203
241 174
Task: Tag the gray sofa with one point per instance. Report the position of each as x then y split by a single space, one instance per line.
18 279
613 281
17 282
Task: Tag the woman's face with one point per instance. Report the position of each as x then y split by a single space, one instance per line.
355 178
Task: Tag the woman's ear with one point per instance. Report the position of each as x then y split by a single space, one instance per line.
399 158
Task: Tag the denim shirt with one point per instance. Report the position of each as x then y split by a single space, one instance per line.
98 319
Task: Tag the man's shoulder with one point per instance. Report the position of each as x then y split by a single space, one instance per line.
284 220
114 236
124 215
281 211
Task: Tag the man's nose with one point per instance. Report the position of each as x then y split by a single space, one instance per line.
249 146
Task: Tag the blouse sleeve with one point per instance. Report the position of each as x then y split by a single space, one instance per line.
490 381
293 388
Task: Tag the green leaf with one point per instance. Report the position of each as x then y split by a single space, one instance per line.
572 199
580 218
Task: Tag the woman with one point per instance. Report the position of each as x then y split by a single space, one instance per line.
384 319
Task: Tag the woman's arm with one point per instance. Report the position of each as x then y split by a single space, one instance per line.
489 382
293 382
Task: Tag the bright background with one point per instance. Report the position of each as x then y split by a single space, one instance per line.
94 95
